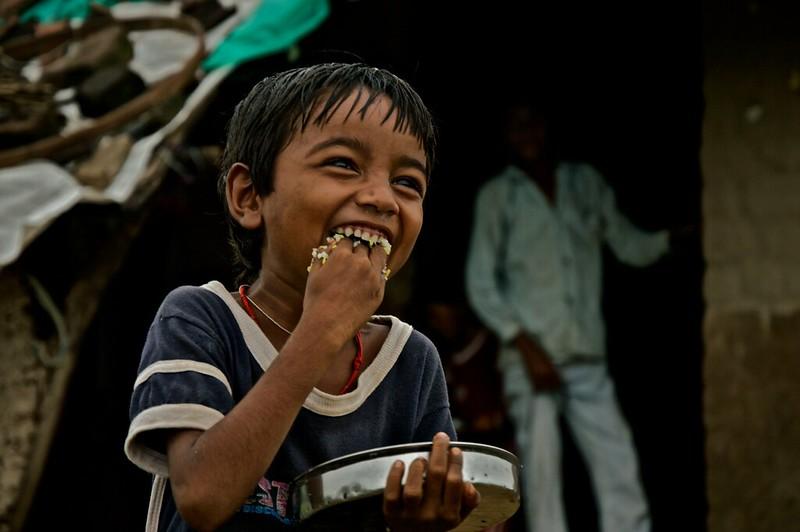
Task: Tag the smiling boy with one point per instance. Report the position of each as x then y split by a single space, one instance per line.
240 392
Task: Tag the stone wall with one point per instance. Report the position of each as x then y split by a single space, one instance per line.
23 382
751 210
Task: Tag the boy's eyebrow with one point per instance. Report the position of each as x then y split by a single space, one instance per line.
348 142
405 161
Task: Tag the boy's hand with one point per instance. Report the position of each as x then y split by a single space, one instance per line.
434 497
345 290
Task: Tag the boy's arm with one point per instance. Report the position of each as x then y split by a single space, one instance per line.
629 243
212 472
483 261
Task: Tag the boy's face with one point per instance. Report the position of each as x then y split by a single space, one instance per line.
349 172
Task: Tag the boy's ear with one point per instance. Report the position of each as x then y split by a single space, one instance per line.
244 203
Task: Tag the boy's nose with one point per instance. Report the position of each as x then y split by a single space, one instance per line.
378 196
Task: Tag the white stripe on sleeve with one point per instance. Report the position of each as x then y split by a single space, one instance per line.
177 366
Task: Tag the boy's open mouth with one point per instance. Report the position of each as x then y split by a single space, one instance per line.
360 235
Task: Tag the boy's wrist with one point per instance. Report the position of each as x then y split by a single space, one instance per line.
325 335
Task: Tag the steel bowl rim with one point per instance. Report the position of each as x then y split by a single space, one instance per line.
400 449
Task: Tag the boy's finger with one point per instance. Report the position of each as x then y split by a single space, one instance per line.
453 485
392 494
470 499
314 260
380 260
359 247
320 255
377 254
437 470
413 489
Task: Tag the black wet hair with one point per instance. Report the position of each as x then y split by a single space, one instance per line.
284 104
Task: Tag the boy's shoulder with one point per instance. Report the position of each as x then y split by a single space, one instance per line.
418 342
195 302
405 342
420 353
186 293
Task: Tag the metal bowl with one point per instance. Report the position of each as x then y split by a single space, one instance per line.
347 493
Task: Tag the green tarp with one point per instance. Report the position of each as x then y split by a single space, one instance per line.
274 26
54 10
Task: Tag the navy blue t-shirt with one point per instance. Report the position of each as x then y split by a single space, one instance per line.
204 353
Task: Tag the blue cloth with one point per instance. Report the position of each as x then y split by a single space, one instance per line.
204 353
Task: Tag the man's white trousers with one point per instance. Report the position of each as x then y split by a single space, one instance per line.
588 402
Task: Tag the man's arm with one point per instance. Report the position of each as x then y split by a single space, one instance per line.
484 259
541 370
483 288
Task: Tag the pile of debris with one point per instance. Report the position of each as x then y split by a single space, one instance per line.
70 95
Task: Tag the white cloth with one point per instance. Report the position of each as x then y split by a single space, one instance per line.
536 267
35 193
31 196
587 401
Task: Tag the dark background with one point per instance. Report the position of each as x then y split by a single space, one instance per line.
624 83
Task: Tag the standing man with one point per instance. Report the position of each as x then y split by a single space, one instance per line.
534 276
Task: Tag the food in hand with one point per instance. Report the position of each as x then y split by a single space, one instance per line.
358 236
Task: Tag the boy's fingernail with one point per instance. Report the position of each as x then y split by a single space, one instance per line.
397 464
474 492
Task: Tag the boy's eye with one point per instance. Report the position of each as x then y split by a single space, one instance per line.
341 162
411 183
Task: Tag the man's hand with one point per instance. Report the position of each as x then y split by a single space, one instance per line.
541 370
434 497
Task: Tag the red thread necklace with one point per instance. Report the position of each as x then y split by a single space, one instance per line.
358 360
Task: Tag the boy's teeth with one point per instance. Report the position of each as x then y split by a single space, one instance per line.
363 234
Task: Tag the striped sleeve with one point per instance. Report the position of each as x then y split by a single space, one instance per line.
180 385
